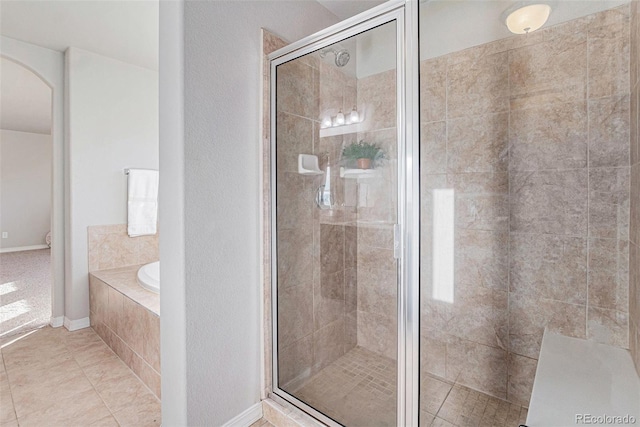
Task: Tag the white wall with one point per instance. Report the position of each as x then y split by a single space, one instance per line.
49 65
112 124
25 188
220 317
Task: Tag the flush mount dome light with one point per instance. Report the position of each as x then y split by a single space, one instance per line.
525 19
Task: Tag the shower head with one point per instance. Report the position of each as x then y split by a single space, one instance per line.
342 56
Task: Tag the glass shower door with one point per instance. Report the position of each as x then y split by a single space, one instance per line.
335 145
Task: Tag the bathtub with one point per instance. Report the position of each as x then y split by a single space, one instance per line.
149 277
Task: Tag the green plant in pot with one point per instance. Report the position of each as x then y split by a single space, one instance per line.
363 154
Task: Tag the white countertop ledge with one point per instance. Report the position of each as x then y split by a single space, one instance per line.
581 377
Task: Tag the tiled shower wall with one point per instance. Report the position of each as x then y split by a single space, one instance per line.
316 249
532 134
634 245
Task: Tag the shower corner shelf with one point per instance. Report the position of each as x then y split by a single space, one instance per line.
358 173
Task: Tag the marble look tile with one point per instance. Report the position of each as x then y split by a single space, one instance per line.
480 314
135 316
114 310
328 344
608 58
271 42
477 86
350 247
378 333
295 361
561 143
91 354
119 392
378 94
295 200
151 345
609 202
7 411
433 393
549 202
147 375
522 371
297 93
433 356
634 222
481 201
107 421
529 315
350 330
609 274
477 366
478 144
295 265
634 124
377 292
370 257
375 237
481 258
433 147
81 408
143 412
36 396
551 72
608 327
433 73
295 313
549 266
634 32
609 132
350 290
331 248
294 135
60 368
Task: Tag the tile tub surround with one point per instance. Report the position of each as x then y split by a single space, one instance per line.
111 247
53 377
127 318
634 231
532 134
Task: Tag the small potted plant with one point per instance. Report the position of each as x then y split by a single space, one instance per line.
363 154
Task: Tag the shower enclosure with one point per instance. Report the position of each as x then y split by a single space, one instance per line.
497 203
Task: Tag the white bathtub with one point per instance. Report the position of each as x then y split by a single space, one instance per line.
149 277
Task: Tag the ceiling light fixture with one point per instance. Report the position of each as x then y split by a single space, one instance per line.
526 18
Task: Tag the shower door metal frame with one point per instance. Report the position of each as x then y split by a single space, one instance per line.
405 14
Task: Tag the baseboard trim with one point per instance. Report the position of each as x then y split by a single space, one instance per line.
74 325
246 418
23 248
56 322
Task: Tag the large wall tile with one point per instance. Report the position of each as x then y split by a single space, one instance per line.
522 371
609 132
295 314
609 202
378 291
549 202
608 327
481 258
295 250
529 315
377 94
480 314
609 274
547 73
295 361
549 266
478 144
328 344
549 137
297 93
609 49
295 200
294 135
477 366
433 90
378 333
477 86
433 147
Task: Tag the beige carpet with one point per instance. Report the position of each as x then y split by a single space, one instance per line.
25 291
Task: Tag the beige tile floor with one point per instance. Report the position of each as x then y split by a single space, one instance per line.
262 423
359 390
52 377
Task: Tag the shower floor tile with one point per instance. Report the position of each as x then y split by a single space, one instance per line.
359 390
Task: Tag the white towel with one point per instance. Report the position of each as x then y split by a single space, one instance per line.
142 202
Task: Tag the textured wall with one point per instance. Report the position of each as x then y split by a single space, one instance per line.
634 245
532 134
